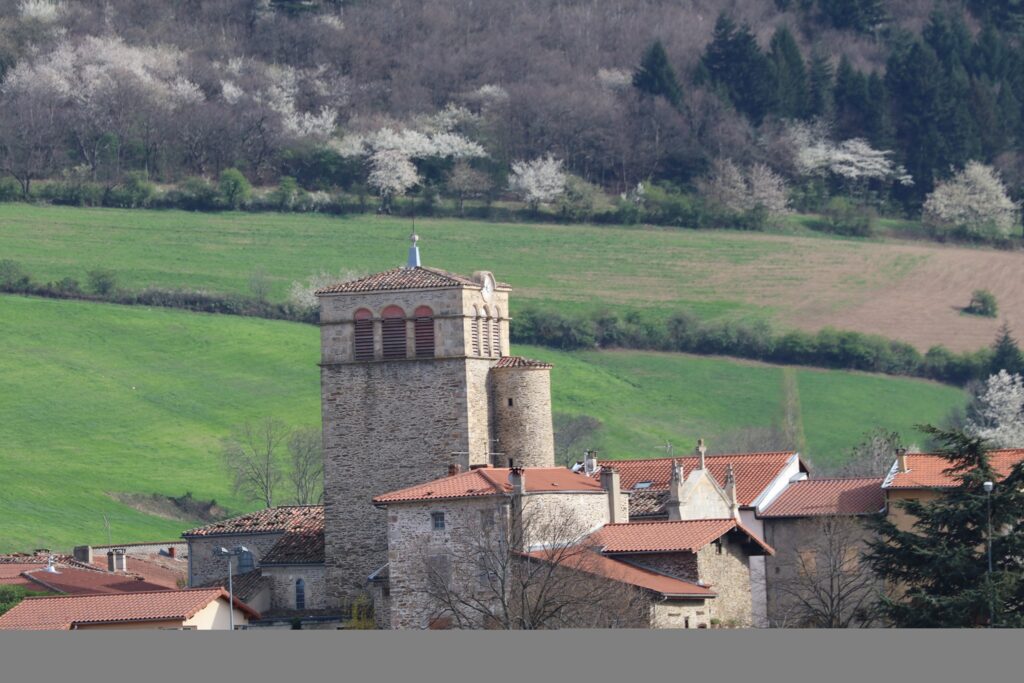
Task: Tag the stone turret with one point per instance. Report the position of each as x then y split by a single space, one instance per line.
521 396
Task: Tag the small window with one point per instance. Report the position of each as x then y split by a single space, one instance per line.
643 485
718 547
437 519
245 562
686 622
300 594
510 403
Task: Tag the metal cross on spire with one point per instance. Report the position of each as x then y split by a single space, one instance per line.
414 251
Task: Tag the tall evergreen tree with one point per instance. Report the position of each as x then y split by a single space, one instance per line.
941 564
851 101
734 63
858 15
877 122
1006 354
656 77
819 86
789 75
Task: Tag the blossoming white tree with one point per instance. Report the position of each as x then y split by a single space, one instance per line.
974 200
854 161
999 413
539 181
392 174
759 187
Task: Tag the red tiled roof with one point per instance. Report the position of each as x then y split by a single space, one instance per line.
520 362
816 497
610 568
245 586
668 536
64 611
11 575
71 581
926 470
276 519
491 481
156 569
420 277
302 546
754 471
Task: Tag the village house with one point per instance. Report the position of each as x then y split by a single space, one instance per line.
188 610
46 572
815 527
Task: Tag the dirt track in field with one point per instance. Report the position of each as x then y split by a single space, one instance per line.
923 305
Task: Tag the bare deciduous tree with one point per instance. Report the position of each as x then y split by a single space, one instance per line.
307 465
515 570
873 456
825 583
253 455
571 432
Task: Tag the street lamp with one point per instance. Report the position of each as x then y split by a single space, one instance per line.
988 486
238 550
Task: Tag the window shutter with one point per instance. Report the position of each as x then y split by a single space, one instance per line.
364 335
393 332
424 329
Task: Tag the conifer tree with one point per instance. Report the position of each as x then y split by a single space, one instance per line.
742 73
790 75
819 86
1006 354
940 566
851 101
656 77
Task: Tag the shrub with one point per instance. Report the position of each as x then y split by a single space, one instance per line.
234 188
983 302
195 194
843 217
14 278
73 192
102 282
287 194
10 191
134 192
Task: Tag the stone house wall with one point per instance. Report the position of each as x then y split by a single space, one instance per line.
204 566
681 614
723 566
283 579
682 565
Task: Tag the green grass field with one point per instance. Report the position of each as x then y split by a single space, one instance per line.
571 266
98 399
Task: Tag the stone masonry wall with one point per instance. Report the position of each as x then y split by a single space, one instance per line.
681 614
204 566
283 580
680 565
387 425
729 576
522 415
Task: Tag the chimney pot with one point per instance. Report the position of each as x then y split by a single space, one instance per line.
83 553
901 459
172 552
610 483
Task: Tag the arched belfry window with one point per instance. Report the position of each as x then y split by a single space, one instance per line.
496 332
364 334
392 329
300 594
424 327
486 333
476 331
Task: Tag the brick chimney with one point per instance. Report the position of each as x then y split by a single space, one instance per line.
454 468
616 504
901 460
83 553
117 560
675 493
172 552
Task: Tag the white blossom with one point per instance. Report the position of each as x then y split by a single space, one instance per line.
738 191
43 11
539 181
391 173
302 295
854 160
999 416
615 79
230 92
974 199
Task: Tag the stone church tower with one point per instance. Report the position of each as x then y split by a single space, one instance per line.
415 378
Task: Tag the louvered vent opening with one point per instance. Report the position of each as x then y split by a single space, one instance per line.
424 329
496 336
487 337
364 334
393 332
476 336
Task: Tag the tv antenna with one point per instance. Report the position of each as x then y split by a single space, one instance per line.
667 448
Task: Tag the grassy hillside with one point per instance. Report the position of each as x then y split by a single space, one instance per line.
901 290
100 399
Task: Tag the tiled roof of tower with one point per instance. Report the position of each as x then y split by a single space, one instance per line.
520 362
270 520
668 536
754 472
419 277
926 470
492 481
301 546
610 568
818 497
64 611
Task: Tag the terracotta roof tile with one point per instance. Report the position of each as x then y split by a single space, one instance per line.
71 581
754 472
491 481
520 362
276 519
647 503
64 611
420 277
245 586
668 536
594 563
816 497
301 546
927 470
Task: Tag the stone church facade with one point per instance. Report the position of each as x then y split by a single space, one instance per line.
416 378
